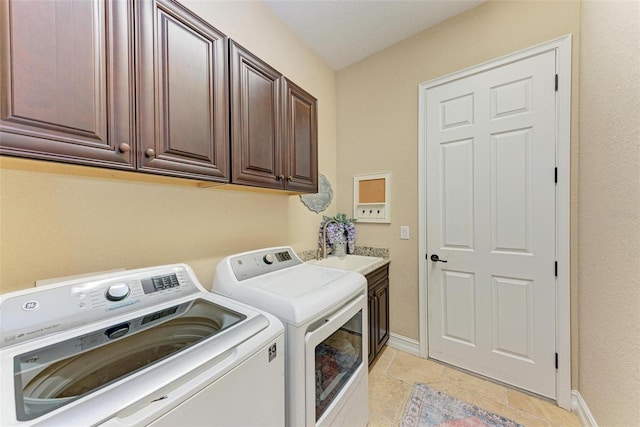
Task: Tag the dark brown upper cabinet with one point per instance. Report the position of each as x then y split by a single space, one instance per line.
301 139
66 81
273 127
182 102
255 120
144 85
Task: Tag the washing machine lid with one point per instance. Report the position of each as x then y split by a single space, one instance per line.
57 374
295 293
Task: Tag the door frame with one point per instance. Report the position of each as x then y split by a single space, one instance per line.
562 49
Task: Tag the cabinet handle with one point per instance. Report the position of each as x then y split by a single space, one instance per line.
149 152
279 177
289 178
124 147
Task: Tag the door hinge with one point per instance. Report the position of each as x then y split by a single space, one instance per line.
556 176
556 82
556 269
556 360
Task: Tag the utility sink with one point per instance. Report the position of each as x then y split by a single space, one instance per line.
361 264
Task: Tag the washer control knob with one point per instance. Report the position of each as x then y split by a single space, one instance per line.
268 259
117 292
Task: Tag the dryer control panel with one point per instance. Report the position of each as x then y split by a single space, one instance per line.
38 312
255 263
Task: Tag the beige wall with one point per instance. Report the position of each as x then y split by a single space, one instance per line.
609 199
378 117
59 224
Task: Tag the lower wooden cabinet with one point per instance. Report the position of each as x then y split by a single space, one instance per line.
378 296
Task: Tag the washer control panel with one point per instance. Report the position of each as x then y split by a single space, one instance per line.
42 311
253 264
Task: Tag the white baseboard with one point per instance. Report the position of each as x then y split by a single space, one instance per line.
580 408
405 344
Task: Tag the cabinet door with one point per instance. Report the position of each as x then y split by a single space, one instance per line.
301 139
255 120
382 330
372 308
66 81
182 101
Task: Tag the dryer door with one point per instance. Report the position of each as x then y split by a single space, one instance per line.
335 353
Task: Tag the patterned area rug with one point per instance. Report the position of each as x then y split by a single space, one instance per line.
428 407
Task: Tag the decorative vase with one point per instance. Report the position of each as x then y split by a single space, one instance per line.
340 249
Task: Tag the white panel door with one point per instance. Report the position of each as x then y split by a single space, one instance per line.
491 217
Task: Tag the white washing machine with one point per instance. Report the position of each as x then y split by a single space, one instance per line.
139 347
325 315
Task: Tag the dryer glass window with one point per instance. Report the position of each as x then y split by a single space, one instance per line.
54 376
337 360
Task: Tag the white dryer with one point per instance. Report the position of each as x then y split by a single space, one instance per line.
140 347
325 315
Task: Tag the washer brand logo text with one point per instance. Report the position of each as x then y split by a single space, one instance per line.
30 305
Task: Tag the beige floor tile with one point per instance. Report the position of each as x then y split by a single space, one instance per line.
546 409
387 396
479 386
565 419
381 365
413 369
387 353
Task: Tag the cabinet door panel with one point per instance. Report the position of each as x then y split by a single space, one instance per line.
183 102
382 333
301 138
255 120
67 81
372 309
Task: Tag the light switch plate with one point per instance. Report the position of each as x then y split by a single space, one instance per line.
404 232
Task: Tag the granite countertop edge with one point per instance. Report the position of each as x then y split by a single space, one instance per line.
373 267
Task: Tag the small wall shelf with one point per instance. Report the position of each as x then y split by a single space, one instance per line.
372 197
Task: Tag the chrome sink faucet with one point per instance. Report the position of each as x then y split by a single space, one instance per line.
323 246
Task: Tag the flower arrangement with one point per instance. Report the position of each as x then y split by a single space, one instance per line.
342 231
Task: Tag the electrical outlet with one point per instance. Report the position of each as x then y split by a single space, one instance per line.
404 232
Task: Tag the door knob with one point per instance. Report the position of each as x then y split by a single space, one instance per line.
436 258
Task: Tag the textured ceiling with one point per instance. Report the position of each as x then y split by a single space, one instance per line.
345 31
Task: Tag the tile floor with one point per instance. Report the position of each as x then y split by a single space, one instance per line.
392 376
